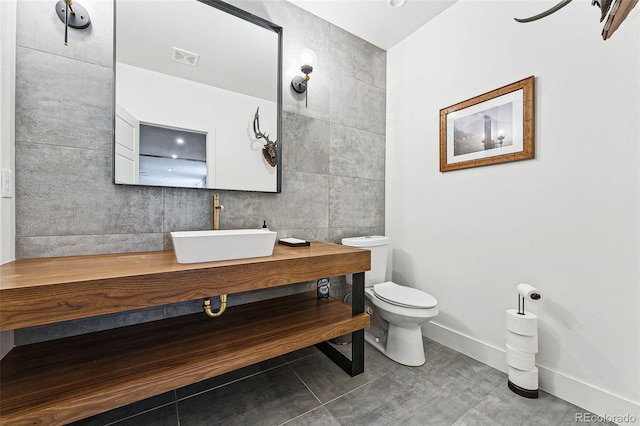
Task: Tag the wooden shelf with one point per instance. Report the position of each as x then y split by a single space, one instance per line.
69 379
44 291
65 380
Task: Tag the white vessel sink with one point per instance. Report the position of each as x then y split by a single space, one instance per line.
226 244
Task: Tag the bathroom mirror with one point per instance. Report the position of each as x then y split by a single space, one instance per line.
190 76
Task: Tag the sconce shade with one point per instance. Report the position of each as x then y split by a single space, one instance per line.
396 3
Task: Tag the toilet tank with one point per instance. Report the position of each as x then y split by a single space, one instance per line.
378 245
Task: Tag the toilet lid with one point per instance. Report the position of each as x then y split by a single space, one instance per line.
404 296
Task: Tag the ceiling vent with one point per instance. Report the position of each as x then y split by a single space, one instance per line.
185 57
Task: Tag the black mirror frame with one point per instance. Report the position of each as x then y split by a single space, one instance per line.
242 14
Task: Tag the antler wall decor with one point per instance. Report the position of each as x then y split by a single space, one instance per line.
618 11
270 149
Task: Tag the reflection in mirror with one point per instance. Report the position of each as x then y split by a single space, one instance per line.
173 157
202 73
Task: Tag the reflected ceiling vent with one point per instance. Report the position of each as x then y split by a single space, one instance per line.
185 57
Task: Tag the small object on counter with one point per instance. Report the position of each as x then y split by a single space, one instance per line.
264 223
323 288
294 242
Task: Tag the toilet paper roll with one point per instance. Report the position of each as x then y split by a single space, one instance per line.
525 325
525 379
518 342
529 292
520 360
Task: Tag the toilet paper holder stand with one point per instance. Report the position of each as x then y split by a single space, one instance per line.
534 295
524 291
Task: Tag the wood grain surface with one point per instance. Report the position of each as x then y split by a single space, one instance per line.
48 290
69 379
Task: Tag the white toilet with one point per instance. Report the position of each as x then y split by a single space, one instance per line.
397 312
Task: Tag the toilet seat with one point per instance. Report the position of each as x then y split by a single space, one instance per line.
404 296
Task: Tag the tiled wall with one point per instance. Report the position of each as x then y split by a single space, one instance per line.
333 151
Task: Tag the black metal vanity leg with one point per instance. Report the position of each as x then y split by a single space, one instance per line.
355 365
357 294
357 337
357 352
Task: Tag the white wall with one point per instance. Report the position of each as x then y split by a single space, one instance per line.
7 136
566 222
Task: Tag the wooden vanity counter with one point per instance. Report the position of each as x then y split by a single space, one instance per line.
63 380
48 290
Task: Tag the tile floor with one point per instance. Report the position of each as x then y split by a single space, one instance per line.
306 388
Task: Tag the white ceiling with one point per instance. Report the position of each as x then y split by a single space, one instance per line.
147 31
374 20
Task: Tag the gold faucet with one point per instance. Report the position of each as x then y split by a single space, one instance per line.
206 303
217 208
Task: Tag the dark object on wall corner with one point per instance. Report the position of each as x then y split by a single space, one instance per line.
270 149
619 11
72 15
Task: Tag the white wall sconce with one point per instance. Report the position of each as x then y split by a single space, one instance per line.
72 15
299 83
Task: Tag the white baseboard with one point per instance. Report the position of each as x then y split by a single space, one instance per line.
584 395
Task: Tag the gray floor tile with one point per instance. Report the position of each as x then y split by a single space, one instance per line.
507 408
474 418
437 356
447 390
299 354
401 397
328 381
130 410
232 376
468 379
318 417
163 416
269 398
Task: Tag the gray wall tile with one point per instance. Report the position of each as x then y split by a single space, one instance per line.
25 336
68 191
62 101
357 153
333 178
187 209
39 28
72 245
367 65
357 104
356 202
306 148
302 204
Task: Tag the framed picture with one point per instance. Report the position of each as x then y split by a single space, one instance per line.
495 127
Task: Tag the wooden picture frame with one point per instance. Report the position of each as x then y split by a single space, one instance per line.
495 127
